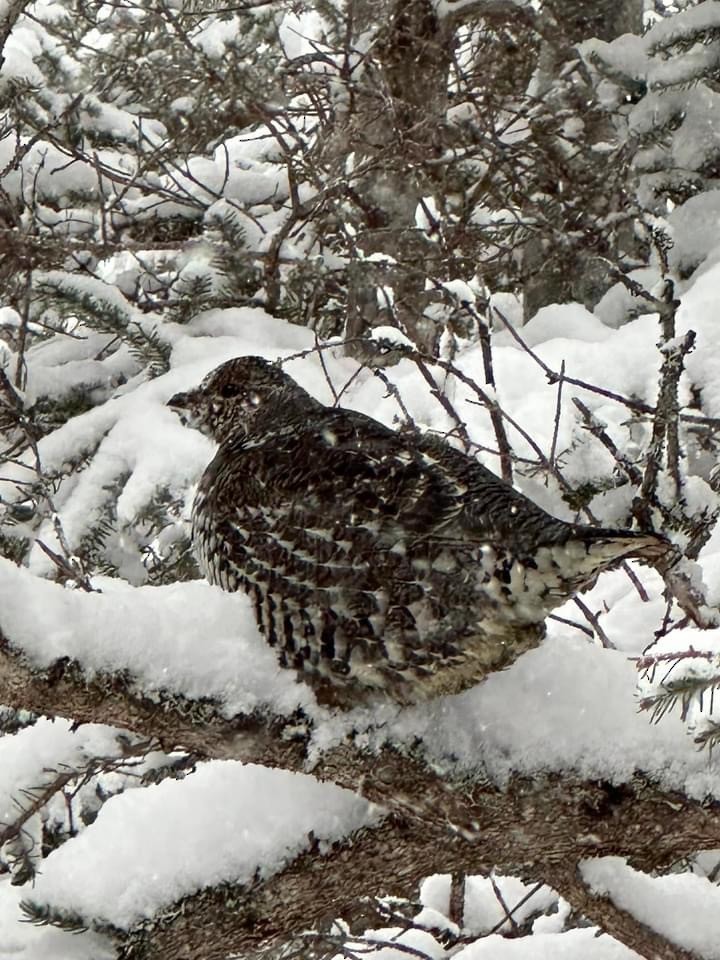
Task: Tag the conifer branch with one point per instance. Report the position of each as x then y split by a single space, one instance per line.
471 822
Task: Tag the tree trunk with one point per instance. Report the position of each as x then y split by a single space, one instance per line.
400 99
555 272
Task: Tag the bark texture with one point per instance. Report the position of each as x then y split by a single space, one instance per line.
557 269
394 129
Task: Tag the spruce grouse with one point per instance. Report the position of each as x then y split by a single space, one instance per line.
379 563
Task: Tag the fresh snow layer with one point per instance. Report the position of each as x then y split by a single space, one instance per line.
568 705
397 944
682 907
488 901
30 758
571 945
567 321
25 941
186 638
226 822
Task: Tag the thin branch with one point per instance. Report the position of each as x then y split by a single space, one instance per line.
496 416
588 631
442 399
635 580
558 411
593 620
597 429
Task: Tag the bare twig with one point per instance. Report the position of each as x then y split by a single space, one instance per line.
395 393
67 568
665 437
573 623
496 416
558 411
638 406
597 429
521 903
592 619
442 399
635 580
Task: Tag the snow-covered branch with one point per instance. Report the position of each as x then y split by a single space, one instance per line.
541 830
540 827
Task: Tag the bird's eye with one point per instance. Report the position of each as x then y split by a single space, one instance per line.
228 390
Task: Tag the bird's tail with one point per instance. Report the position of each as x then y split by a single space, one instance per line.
618 545
591 551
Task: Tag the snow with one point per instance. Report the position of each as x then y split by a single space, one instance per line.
568 321
682 907
463 292
665 32
216 35
25 941
698 312
626 55
391 337
30 758
581 698
487 902
564 946
396 943
585 719
435 892
448 8
701 60
568 707
629 361
204 642
300 35
226 822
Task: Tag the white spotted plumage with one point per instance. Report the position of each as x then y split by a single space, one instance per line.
379 563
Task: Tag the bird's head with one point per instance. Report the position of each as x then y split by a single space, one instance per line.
231 397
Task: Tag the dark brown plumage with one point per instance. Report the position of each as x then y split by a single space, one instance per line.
379 563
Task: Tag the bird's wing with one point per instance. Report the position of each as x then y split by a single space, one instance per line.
334 520
346 471
489 510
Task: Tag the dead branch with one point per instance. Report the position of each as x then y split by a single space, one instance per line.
594 621
496 414
665 432
460 428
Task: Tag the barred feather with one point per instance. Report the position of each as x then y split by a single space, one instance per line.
379 563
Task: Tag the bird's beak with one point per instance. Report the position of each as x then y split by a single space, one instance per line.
179 405
178 402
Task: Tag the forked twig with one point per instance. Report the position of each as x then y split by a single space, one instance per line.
595 623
